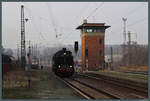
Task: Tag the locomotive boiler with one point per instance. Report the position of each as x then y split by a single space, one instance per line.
62 63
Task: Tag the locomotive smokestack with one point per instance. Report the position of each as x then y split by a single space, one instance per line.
64 49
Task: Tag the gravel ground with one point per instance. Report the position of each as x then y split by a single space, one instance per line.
56 89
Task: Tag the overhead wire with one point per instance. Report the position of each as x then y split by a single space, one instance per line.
137 21
132 24
84 8
36 28
95 10
134 10
130 12
32 20
74 21
54 24
92 13
51 16
98 7
81 12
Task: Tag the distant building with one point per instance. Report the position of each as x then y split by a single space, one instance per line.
93 35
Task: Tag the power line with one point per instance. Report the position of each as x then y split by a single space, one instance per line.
137 22
35 27
46 20
83 9
89 15
134 10
132 24
53 23
95 10
129 13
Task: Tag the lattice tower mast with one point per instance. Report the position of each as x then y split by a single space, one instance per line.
124 30
23 48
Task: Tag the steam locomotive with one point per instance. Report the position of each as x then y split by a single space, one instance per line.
62 63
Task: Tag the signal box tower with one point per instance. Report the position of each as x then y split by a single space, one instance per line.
93 35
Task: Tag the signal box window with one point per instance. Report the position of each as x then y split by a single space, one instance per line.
89 30
94 30
102 30
100 41
86 53
100 53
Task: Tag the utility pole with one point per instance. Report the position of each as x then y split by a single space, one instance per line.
117 55
32 51
29 54
30 48
36 51
76 52
129 49
124 30
129 36
23 48
111 58
18 54
124 50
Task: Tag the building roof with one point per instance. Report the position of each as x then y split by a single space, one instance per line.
99 25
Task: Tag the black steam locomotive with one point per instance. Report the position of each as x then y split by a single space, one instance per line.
62 63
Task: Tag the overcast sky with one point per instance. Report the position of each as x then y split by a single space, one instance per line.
48 19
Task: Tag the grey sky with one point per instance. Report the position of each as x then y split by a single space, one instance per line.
66 16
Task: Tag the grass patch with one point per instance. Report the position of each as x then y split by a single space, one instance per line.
18 93
15 84
39 75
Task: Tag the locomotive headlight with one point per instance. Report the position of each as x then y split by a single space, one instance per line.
59 66
70 66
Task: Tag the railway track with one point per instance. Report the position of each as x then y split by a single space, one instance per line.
104 87
94 88
88 91
124 82
125 90
137 72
